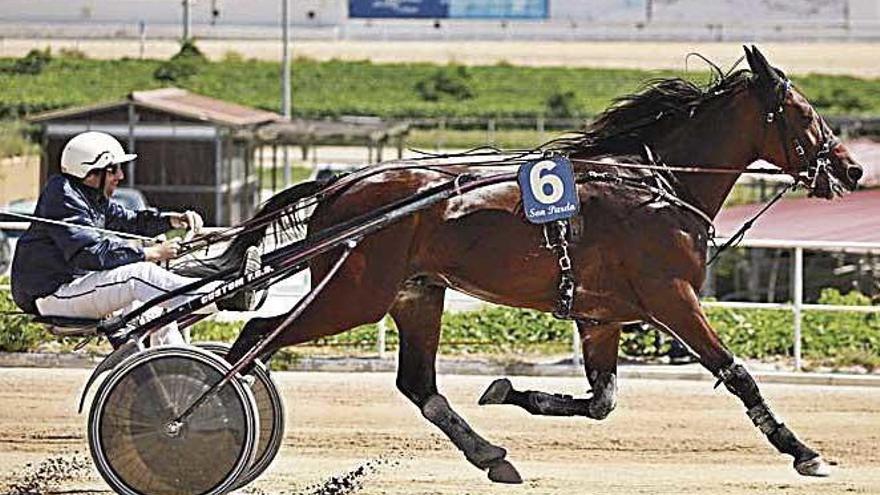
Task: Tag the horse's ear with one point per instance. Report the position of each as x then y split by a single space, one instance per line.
750 59
762 67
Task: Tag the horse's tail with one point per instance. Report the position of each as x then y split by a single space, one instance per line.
269 215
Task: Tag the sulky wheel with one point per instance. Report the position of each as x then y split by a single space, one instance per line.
271 411
139 449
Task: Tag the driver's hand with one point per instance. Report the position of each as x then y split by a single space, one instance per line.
189 220
162 252
194 221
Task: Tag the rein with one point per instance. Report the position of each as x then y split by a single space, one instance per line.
513 158
736 238
34 218
683 169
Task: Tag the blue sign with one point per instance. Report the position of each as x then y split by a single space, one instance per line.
434 9
549 192
498 9
443 9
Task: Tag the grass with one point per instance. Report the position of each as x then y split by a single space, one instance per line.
13 141
858 358
431 139
299 172
393 91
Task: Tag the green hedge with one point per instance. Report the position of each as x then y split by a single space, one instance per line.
748 333
17 333
765 333
363 88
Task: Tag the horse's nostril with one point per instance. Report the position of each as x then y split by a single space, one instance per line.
854 172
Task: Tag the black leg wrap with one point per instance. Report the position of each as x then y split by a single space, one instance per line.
740 383
538 403
544 404
604 398
247 340
476 449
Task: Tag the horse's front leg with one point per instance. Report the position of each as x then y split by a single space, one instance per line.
677 308
417 311
599 344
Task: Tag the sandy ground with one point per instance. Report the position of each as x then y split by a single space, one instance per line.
665 437
858 59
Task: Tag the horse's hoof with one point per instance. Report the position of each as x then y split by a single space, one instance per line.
504 472
487 456
496 393
813 467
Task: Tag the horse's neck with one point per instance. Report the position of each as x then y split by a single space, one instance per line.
717 139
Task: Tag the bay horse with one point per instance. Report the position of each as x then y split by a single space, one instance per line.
639 258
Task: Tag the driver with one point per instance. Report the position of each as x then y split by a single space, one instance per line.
79 272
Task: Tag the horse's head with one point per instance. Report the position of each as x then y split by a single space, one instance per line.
797 138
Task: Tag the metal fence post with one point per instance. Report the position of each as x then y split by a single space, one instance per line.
575 345
797 303
441 134
381 328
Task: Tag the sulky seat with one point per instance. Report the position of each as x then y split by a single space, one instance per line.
62 326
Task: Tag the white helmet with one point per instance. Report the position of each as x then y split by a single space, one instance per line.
92 150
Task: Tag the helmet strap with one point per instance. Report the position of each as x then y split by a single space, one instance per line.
102 182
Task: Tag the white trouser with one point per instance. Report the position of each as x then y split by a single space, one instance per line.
98 294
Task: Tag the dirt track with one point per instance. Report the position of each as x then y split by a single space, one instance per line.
665 437
856 59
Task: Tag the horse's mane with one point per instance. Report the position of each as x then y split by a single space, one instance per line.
636 119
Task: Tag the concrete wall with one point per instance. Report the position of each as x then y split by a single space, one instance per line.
745 20
232 12
19 178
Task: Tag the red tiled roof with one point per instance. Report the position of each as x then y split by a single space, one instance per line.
182 102
176 102
852 218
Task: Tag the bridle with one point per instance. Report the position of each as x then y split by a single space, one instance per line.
811 171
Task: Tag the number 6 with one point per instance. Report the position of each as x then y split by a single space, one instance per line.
537 182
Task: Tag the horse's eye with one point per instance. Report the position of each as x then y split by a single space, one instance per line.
805 114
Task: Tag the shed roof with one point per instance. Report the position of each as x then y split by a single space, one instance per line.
852 218
179 102
344 130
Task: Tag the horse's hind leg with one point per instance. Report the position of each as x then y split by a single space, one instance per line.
599 344
677 308
417 311
360 292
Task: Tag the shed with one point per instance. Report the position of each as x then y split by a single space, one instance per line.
194 152
371 132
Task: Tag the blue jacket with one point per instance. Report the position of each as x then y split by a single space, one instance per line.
48 256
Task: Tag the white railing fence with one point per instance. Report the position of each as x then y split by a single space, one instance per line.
296 287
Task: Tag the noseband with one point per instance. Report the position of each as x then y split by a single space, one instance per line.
810 171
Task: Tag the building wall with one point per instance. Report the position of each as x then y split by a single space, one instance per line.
19 178
694 20
864 11
335 12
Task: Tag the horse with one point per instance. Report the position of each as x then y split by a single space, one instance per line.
640 257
